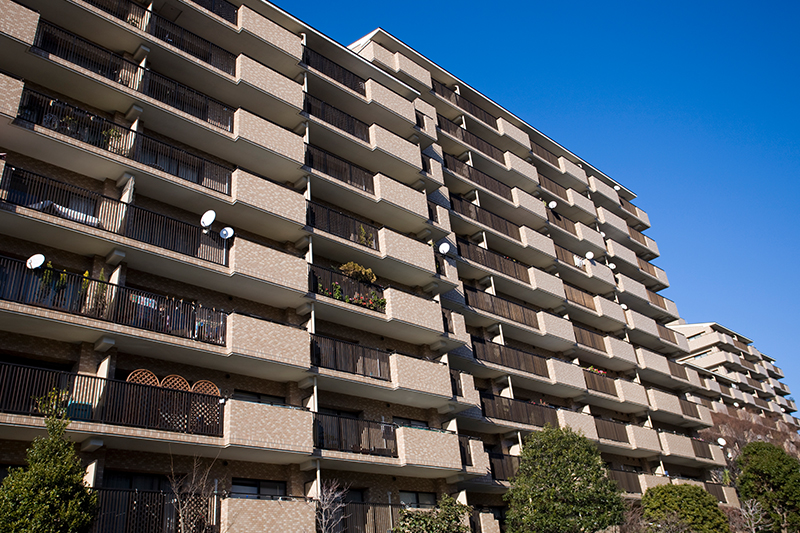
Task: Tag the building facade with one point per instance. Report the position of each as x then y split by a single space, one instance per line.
192 193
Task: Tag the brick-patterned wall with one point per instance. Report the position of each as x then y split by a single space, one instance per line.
18 22
413 309
267 516
263 28
396 193
644 438
632 393
405 249
10 88
385 140
389 99
268 340
580 422
428 448
267 80
512 132
256 425
270 197
522 167
263 263
419 375
269 135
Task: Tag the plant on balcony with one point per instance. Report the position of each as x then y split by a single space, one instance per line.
358 272
596 370
365 238
450 516
688 504
49 495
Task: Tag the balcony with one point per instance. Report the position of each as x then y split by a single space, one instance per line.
271 513
657 369
595 311
128 510
520 413
574 205
503 466
647 332
355 436
283 434
683 450
473 456
618 394
571 172
635 216
603 350
575 235
459 101
644 246
667 407
471 140
427 448
583 273
639 298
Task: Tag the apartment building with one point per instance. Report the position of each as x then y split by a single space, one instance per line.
191 192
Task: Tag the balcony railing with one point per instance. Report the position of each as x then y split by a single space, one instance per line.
644 266
504 467
561 221
337 223
761 403
433 213
747 364
637 236
334 71
53 40
81 295
223 9
350 357
42 110
545 154
666 334
485 217
550 185
753 383
469 138
627 206
677 370
717 491
627 481
701 449
656 299
493 260
19 187
455 383
589 338
108 401
582 298
508 357
360 517
339 168
336 117
476 176
611 430
459 101
742 346
344 434
518 411
565 256
340 287
169 32
447 320
600 383
121 510
501 307
464 449
726 390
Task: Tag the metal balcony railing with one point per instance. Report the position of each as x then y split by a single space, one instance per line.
504 467
545 154
677 370
109 401
589 338
344 434
580 297
629 207
363 517
455 383
339 168
335 285
84 296
493 260
518 411
611 430
469 138
508 357
22 188
334 71
561 221
656 299
169 32
567 257
644 266
716 490
222 8
349 357
60 117
701 449
485 217
550 185
627 481
600 383
337 223
53 40
637 236
126 510
336 117
476 176
501 307
666 334
459 101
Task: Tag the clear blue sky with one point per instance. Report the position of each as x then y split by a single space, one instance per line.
692 105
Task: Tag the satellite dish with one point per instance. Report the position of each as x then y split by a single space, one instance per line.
736 404
721 441
624 307
612 266
208 218
226 233
35 261
589 255
444 248
617 187
553 204
603 234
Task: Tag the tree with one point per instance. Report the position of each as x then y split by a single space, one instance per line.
49 495
449 517
750 517
192 495
771 476
689 504
562 486
331 506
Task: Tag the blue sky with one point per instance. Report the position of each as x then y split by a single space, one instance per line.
692 105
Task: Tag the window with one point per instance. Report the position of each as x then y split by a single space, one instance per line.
257 489
418 499
409 422
136 481
255 397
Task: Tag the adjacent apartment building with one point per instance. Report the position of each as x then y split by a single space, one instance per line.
191 192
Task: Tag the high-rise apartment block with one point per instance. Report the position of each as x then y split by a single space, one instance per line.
224 235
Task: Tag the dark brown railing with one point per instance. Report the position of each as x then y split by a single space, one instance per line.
42 110
334 71
493 260
81 295
108 401
656 299
455 383
726 390
335 285
339 168
476 176
51 39
545 154
350 357
589 338
19 187
761 403
550 185
666 334
433 213
508 357
504 467
580 297
637 236
501 307
644 266
600 383
485 217
336 117
747 364
705 402
701 449
459 101
717 491
125 510
611 430
344 226
742 346
627 481
169 32
627 206
753 383
447 320
518 411
689 408
565 256
359 517
464 449
561 221
344 434
223 9
677 370
469 138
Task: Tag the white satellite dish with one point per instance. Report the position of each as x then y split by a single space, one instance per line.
589 255
208 218
35 261
624 307
444 248
553 204
612 266
736 404
617 187
721 441
603 234
226 233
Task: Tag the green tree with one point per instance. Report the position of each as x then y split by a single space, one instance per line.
449 517
49 495
689 504
771 476
562 486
